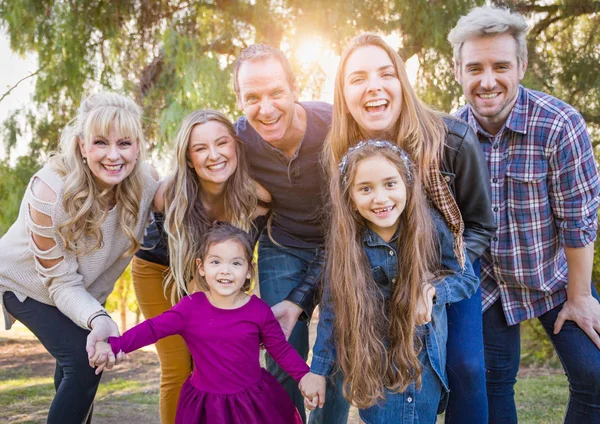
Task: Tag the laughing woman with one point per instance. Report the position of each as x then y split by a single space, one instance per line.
81 219
209 182
373 99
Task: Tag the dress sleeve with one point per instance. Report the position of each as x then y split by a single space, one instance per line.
278 347
56 266
150 331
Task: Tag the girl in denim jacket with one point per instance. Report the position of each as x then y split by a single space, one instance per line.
391 270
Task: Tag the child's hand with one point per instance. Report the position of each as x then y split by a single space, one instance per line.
103 357
312 387
425 305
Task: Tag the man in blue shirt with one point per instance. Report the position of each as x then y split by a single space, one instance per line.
283 139
545 192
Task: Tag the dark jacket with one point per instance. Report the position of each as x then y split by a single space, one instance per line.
466 172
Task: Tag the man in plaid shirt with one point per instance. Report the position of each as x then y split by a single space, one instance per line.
545 193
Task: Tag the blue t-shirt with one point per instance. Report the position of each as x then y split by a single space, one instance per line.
297 185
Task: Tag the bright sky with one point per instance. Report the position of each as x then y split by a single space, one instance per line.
12 70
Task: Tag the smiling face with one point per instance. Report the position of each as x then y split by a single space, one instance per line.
379 194
490 74
212 152
225 269
372 91
110 157
267 99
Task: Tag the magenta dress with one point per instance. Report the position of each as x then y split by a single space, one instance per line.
227 385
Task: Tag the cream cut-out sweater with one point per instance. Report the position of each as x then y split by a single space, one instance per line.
77 285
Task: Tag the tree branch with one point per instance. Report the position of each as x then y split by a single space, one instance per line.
19 82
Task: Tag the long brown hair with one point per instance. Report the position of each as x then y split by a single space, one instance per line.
185 214
420 130
375 349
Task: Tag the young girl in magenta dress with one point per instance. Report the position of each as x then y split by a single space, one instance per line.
391 271
223 328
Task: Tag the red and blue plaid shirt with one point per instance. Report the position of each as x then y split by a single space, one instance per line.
545 193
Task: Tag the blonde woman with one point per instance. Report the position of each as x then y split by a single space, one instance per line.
81 220
209 182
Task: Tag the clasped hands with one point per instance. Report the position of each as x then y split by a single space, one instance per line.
100 354
312 387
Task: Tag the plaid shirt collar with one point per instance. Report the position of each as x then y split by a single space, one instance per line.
516 120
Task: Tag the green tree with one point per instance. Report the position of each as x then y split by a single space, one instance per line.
13 182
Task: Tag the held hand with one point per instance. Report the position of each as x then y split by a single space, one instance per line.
103 357
312 387
585 311
102 328
287 314
425 305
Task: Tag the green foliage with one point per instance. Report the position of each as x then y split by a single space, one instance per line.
122 298
13 182
174 57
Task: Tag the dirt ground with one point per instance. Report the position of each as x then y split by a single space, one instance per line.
26 357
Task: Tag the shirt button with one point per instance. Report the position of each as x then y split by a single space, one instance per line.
495 239
409 399
495 208
391 253
495 180
393 280
447 178
495 146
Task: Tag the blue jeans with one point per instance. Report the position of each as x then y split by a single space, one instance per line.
579 356
465 361
280 270
74 380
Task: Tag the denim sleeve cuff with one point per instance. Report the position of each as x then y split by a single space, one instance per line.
441 293
321 366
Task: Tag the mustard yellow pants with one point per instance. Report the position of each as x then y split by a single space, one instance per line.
175 359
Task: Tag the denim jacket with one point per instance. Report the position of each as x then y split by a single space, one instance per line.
454 287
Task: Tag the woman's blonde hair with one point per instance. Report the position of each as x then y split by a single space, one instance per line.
185 215
376 342
420 130
86 204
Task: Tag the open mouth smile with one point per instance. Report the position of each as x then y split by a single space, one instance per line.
270 123
383 212
113 168
376 105
488 96
217 167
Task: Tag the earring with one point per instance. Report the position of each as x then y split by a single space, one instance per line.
84 161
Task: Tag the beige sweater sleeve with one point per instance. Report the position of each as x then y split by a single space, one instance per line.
63 281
